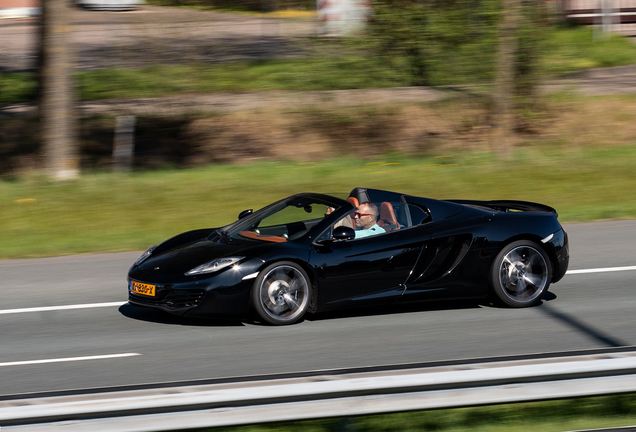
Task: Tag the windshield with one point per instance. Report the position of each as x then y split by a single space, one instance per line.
285 221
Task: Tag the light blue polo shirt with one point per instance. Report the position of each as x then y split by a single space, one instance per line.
375 229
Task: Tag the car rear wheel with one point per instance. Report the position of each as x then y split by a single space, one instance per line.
281 293
521 274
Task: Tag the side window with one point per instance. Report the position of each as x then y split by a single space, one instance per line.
349 220
346 220
293 214
367 221
418 215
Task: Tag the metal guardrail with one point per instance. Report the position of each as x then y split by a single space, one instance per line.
322 396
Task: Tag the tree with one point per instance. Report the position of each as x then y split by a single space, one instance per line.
433 42
505 77
520 41
398 36
57 120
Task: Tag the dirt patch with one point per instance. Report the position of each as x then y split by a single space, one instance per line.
312 133
296 135
244 137
599 122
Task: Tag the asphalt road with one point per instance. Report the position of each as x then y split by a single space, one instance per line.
584 311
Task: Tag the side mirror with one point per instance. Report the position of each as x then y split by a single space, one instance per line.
343 233
245 213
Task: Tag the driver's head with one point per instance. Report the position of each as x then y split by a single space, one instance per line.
366 216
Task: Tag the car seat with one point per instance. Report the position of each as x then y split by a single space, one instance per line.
354 201
387 220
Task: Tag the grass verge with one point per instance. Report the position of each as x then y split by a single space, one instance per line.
576 48
264 75
550 416
103 212
569 50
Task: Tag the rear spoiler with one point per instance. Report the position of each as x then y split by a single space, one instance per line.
509 206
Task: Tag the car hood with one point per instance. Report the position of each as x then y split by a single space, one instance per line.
180 259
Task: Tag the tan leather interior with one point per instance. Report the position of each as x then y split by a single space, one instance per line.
354 201
387 220
257 236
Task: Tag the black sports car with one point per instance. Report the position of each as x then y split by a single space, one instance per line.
305 254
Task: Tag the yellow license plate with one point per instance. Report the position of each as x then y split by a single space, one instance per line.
142 288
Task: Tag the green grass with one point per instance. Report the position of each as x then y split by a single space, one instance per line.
17 87
573 49
154 81
305 74
103 212
568 50
551 416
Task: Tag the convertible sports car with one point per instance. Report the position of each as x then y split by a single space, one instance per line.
301 255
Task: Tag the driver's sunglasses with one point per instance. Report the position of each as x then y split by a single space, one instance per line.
359 215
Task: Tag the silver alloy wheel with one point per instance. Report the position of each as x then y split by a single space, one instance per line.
284 293
523 274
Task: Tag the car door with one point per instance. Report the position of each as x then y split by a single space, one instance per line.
441 271
367 270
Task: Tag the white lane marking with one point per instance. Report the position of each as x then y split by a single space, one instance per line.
67 359
63 307
111 304
601 270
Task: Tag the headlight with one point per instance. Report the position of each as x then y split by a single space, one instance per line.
145 255
214 266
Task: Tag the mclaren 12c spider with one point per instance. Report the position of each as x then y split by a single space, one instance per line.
303 254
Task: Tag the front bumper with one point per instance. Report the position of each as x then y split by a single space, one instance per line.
175 301
226 294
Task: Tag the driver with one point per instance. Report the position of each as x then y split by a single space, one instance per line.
366 218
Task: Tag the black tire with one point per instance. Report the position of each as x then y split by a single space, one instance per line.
281 293
521 274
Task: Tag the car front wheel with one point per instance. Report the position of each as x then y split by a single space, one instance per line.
521 274
281 293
